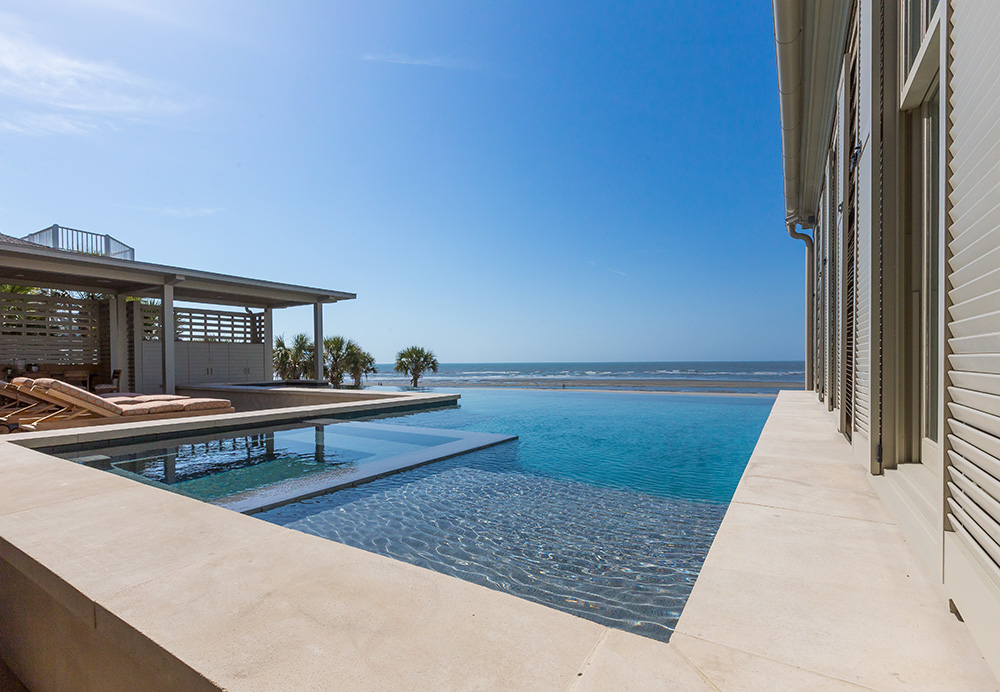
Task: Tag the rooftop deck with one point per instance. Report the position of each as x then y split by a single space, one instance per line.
105 583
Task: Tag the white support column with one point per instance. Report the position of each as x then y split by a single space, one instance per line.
118 336
318 340
167 340
268 344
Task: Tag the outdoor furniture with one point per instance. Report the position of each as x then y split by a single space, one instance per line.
26 407
114 386
73 406
16 406
80 378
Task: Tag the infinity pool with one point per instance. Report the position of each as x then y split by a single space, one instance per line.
605 508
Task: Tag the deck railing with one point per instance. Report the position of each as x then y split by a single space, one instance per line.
86 242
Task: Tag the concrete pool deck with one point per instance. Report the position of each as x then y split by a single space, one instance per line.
107 584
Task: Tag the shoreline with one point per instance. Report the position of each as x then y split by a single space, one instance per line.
688 387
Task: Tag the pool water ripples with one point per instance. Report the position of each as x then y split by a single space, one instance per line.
605 508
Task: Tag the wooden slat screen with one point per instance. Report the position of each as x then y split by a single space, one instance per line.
49 330
215 326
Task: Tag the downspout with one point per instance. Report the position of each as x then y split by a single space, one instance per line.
804 237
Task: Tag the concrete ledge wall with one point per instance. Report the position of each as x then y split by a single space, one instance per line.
52 645
259 398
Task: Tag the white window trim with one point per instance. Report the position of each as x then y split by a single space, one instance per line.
925 66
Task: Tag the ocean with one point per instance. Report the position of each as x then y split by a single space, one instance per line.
653 375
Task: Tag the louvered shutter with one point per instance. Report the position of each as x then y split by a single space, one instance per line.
833 326
974 283
827 281
863 287
863 301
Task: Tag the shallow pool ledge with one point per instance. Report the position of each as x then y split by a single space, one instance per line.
810 584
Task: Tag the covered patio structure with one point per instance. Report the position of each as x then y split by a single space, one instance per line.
128 319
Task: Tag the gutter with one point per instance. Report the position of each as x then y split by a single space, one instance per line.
788 47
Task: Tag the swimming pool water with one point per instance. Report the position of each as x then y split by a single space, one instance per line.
605 508
213 467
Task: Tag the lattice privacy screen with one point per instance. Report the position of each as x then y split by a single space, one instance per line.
49 330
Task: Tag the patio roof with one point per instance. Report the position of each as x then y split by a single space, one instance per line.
23 263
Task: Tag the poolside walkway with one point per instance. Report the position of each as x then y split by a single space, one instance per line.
810 584
107 584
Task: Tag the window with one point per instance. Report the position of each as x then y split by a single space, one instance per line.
917 15
922 206
930 124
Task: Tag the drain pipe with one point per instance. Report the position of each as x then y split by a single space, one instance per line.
809 300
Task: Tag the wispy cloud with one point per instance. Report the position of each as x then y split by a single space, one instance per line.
400 59
49 92
176 212
594 264
37 124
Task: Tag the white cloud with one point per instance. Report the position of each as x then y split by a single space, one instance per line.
37 124
58 94
400 59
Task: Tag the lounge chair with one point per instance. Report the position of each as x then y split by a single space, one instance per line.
78 407
20 405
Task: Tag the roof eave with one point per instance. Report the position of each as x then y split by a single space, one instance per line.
142 278
809 39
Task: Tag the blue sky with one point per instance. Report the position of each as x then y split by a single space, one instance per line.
511 181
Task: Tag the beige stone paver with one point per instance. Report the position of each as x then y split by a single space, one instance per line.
625 662
300 612
731 670
810 572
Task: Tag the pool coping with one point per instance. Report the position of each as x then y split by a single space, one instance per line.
161 429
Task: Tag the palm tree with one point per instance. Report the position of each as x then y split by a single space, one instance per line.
334 359
301 357
414 361
295 361
282 358
17 290
358 362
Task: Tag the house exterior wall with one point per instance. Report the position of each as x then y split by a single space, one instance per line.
940 475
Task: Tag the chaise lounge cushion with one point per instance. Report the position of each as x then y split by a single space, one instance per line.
78 393
204 404
122 400
151 407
